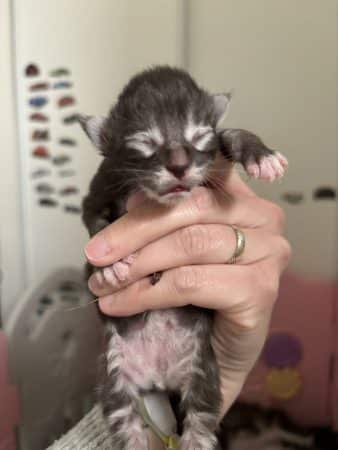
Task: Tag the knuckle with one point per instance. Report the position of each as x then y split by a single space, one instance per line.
194 240
186 280
276 216
267 286
248 321
270 291
258 299
285 251
264 286
202 201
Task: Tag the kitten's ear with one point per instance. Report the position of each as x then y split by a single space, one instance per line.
221 105
92 126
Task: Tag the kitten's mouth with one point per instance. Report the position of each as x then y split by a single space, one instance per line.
176 190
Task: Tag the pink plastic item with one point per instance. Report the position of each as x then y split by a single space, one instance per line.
301 354
9 404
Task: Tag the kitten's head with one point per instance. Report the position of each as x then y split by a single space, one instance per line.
161 134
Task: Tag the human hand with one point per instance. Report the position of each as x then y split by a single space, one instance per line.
191 242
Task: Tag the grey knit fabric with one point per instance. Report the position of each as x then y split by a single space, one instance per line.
90 433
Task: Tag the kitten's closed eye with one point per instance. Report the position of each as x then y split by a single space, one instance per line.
146 142
201 139
198 135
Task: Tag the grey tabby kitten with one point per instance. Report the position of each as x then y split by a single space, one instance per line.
162 137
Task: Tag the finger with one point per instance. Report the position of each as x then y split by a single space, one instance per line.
213 286
197 244
150 221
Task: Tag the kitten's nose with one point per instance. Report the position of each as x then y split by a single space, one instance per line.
177 162
178 170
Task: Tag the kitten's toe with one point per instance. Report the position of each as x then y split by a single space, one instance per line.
269 168
118 273
129 259
252 169
109 275
281 158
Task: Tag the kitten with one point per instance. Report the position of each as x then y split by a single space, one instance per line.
162 137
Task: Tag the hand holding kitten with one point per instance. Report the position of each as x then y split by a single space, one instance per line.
191 242
163 138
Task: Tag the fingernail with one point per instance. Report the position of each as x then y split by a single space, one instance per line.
94 282
97 248
106 304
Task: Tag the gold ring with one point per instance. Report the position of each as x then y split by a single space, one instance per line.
240 245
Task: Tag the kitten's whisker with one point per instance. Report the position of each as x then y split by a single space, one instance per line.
91 302
117 187
127 170
216 183
215 177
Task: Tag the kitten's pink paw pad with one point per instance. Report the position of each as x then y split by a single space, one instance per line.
109 275
130 258
252 169
269 168
117 273
121 270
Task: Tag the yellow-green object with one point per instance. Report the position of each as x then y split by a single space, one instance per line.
283 383
171 442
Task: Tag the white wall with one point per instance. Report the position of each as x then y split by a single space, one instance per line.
281 59
279 56
103 43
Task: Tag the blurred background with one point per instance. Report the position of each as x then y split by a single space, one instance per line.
60 58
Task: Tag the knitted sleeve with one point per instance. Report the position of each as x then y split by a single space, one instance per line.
90 433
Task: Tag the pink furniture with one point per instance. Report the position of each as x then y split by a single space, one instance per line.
9 405
298 370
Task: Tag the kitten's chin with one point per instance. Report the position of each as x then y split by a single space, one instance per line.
167 198
173 197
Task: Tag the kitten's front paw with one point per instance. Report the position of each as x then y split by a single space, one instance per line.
117 273
269 167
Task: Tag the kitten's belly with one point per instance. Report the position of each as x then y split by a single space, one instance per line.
158 352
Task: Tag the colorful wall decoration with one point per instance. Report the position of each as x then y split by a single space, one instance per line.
51 117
